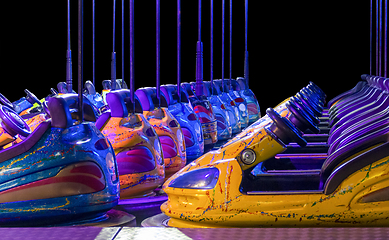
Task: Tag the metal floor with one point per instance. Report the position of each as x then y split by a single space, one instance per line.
91 233
143 208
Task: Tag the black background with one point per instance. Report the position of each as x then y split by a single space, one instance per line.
290 43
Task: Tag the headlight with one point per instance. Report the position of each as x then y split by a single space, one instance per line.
205 178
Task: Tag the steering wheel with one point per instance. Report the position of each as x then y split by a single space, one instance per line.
284 129
13 123
31 98
46 108
5 101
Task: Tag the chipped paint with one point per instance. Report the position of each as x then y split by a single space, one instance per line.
160 119
226 206
45 160
127 133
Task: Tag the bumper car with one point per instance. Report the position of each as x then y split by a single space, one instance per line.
204 112
224 127
186 117
220 189
253 108
137 147
167 128
240 102
65 170
231 107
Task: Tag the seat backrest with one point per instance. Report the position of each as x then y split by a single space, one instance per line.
375 103
367 96
338 175
378 136
219 86
355 89
235 85
356 123
89 88
242 83
64 110
375 100
148 98
62 88
188 89
107 84
207 91
119 101
171 94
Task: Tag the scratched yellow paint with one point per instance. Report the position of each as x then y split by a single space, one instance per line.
124 134
160 119
226 206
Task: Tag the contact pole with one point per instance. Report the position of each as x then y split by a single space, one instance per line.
158 52
211 43
80 56
223 10
229 82
69 74
113 56
132 59
246 53
122 43
179 49
199 56
94 42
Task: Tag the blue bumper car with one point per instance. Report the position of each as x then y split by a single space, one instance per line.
186 117
64 171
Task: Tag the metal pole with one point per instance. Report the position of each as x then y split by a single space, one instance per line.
132 68
94 42
113 56
179 49
371 37
199 56
377 39
158 52
223 8
246 53
229 82
380 40
122 43
211 43
69 74
80 55
386 41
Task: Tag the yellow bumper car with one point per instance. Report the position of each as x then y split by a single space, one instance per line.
221 189
137 147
